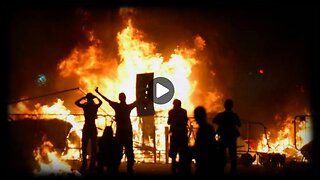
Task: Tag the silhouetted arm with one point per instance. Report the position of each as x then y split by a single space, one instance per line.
133 105
78 102
217 119
100 102
105 98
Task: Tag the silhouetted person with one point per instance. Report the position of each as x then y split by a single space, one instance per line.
109 153
205 145
178 120
124 126
228 123
89 131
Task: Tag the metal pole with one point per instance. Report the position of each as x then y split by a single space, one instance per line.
50 94
248 130
166 143
294 132
154 144
265 131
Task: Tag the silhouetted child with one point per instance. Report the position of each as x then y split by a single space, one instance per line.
110 152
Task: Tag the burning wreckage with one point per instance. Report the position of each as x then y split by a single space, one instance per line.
299 151
48 140
52 145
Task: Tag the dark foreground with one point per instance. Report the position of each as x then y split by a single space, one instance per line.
153 171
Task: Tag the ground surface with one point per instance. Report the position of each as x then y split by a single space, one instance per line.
152 171
163 171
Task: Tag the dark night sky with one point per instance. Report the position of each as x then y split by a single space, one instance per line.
240 40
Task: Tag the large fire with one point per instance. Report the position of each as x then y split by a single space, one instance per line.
93 68
136 56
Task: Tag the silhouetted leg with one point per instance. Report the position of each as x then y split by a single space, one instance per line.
173 164
233 156
185 156
173 154
185 162
93 151
100 166
129 154
222 155
84 142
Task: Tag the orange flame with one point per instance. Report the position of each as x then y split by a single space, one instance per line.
93 67
49 161
136 56
285 141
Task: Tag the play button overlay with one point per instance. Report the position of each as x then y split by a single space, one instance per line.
163 90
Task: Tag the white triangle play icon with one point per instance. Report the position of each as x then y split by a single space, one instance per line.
161 90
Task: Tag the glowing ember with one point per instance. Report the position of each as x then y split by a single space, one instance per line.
261 71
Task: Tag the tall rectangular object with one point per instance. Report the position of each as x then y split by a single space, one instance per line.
144 94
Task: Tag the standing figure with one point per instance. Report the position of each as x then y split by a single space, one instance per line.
178 120
228 123
124 127
89 131
205 145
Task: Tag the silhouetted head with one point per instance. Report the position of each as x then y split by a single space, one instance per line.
89 96
108 132
122 97
200 115
176 103
228 104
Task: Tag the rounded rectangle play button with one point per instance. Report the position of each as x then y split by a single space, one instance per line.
163 90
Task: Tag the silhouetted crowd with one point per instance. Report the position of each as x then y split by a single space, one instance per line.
209 150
